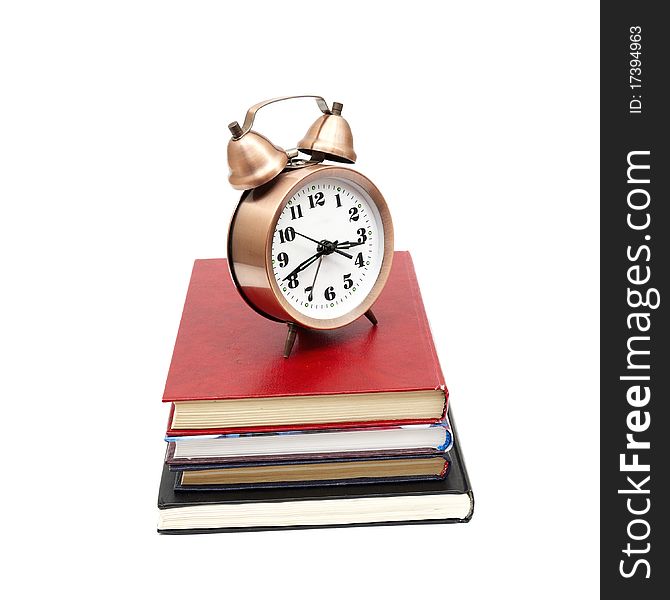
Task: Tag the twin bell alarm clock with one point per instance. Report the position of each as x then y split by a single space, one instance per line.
310 244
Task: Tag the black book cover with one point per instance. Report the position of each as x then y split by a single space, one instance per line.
456 482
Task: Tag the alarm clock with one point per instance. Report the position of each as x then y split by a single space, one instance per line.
309 244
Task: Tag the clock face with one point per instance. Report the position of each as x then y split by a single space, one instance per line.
327 248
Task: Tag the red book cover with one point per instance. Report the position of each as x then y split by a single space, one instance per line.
226 350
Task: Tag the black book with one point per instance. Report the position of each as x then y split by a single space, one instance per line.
449 500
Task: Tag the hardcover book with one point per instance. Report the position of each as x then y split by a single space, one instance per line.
193 450
310 472
228 374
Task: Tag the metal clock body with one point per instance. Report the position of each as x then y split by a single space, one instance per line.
313 247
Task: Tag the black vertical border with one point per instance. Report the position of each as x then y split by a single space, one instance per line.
623 132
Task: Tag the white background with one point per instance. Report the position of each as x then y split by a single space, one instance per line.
479 123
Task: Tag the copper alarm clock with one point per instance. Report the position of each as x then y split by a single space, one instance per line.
309 244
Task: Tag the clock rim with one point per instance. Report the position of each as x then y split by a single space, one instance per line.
376 196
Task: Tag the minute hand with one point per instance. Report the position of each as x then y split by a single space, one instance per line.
303 265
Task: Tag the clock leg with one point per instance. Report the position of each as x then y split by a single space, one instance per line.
370 315
290 339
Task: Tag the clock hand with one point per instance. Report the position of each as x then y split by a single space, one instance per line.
348 245
324 244
311 288
307 237
303 265
342 253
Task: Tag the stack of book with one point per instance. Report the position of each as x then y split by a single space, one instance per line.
352 429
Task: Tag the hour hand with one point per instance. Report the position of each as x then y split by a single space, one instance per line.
345 245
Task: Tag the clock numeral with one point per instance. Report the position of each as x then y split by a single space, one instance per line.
348 282
282 258
329 294
316 200
293 280
309 290
286 235
359 260
353 214
339 202
296 212
361 232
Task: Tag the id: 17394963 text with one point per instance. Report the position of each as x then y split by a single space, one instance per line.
635 70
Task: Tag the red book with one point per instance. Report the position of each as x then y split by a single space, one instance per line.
228 358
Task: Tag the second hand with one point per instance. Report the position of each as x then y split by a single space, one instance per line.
311 291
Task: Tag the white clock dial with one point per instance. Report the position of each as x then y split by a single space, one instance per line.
320 225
